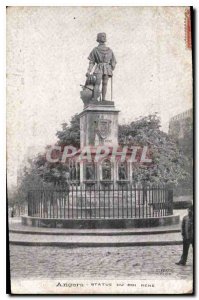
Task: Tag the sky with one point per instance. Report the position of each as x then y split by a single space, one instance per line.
47 50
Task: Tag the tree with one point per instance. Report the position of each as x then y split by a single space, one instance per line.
168 163
70 134
57 172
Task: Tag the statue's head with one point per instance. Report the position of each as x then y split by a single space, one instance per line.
101 37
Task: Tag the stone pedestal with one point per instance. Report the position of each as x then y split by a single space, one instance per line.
98 127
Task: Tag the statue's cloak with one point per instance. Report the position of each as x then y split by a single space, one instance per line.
104 59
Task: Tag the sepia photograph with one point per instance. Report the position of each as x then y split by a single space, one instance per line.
100 149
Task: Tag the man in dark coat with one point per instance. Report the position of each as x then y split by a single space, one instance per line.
187 235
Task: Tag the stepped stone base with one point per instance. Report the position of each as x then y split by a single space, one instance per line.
101 223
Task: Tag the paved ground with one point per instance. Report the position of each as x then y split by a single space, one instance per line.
150 262
124 262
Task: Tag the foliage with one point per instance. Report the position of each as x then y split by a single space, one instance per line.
58 172
50 172
70 134
168 162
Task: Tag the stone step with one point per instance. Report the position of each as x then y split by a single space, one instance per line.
19 228
94 241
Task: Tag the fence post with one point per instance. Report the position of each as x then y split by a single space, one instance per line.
28 201
170 199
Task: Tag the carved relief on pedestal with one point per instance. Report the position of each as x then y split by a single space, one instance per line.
102 131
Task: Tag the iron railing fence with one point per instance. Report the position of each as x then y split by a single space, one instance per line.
109 202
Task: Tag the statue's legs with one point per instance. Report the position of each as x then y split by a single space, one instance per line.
104 79
96 91
104 86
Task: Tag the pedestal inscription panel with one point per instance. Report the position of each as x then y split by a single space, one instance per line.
99 126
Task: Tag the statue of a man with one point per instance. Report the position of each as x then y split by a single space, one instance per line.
122 172
90 172
103 59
